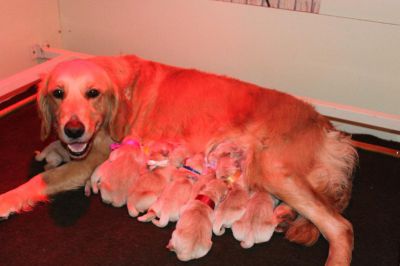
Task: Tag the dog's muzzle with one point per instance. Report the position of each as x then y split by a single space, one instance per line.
75 129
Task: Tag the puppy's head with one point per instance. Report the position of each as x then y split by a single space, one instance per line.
76 98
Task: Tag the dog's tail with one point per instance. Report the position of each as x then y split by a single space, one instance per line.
332 175
332 179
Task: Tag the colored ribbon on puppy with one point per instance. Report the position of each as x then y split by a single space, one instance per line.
191 169
154 164
206 200
132 142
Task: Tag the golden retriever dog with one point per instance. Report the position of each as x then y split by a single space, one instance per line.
299 159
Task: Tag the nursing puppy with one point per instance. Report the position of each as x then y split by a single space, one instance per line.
231 208
228 159
192 237
165 188
257 224
303 160
176 194
145 191
130 161
168 206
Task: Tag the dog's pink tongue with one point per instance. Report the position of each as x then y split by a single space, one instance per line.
77 147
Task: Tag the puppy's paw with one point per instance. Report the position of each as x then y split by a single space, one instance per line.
148 217
240 230
218 229
283 216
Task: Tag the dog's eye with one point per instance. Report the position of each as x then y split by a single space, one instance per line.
92 93
58 93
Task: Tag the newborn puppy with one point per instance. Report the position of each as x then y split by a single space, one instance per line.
231 208
192 236
257 224
55 154
130 162
176 194
228 160
168 205
163 160
145 191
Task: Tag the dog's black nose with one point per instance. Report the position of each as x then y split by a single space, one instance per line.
74 129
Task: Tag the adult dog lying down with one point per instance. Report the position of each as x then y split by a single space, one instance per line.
298 156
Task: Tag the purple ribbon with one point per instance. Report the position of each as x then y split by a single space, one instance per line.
131 142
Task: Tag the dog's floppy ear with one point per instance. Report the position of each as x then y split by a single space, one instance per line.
44 107
120 106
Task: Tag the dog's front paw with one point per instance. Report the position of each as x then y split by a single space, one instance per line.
9 204
55 154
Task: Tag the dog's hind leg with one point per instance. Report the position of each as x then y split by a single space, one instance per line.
295 191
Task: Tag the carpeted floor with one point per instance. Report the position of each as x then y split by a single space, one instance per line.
75 230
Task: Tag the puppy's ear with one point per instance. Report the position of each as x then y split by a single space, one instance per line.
44 107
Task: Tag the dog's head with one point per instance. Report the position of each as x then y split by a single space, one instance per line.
78 98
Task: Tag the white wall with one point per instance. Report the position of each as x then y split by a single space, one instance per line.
383 11
24 23
348 55
349 61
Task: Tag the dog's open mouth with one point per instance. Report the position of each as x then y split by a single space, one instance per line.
78 150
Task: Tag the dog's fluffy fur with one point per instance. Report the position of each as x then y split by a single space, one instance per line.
298 156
